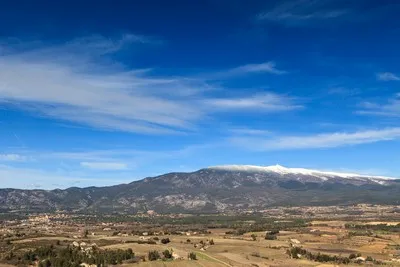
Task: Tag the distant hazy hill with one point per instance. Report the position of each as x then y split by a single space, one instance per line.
214 189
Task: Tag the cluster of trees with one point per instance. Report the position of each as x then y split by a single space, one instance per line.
66 257
297 252
271 235
167 255
236 232
155 255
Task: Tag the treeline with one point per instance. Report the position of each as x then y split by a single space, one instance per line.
297 253
194 222
73 257
374 227
271 226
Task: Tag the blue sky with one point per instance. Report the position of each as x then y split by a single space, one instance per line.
100 93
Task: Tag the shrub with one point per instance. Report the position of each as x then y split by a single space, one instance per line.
254 237
270 237
273 232
192 256
165 240
167 254
153 255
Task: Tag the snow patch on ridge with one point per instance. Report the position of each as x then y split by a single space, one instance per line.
324 175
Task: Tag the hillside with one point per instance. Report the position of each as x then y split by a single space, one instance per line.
214 189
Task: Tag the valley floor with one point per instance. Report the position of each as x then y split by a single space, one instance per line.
368 241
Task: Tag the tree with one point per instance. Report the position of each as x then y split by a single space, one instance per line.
165 240
352 256
192 256
167 254
153 255
369 258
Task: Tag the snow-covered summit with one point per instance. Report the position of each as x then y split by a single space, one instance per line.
284 170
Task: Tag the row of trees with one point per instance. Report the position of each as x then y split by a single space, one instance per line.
375 227
167 255
241 229
297 252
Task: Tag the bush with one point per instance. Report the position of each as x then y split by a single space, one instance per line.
153 255
167 254
270 237
254 237
192 256
273 232
165 240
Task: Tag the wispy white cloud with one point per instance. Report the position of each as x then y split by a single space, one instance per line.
387 76
323 140
105 165
75 82
100 95
294 12
249 131
88 167
263 102
12 157
30 178
391 108
266 67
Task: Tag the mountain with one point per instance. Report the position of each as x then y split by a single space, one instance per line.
214 189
